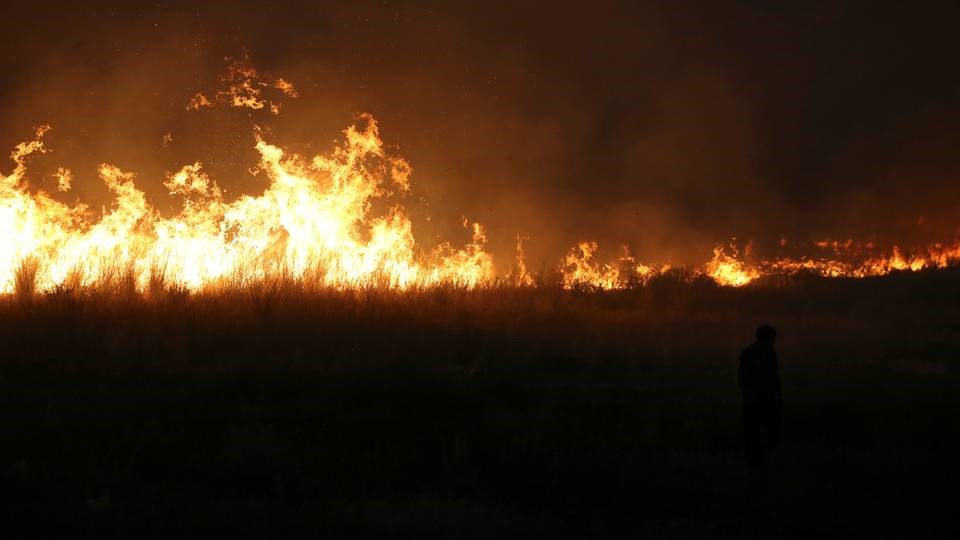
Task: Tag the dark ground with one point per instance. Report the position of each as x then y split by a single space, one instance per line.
487 414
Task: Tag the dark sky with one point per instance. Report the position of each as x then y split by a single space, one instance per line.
669 126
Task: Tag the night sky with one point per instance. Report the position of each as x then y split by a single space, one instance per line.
668 126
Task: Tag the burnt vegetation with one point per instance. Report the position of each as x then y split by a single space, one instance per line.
285 410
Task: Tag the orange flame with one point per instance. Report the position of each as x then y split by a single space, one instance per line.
732 270
729 270
313 220
521 276
580 268
244 88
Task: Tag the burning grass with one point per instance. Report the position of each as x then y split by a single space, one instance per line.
315 221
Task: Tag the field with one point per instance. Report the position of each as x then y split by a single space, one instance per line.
287 411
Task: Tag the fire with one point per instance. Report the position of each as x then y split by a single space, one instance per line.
521 275
733 270
729 269
580 268
313 221
243 88
64 179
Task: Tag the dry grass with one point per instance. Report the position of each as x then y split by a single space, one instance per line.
485 413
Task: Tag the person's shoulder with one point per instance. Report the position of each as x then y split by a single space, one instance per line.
749 350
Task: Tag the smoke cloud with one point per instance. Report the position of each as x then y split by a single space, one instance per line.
666 128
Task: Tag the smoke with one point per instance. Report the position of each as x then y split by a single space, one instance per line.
667 128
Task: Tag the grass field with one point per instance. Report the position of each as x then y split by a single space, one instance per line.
278 411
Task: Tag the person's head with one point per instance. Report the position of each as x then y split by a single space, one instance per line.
766 335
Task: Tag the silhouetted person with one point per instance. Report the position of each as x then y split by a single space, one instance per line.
759 379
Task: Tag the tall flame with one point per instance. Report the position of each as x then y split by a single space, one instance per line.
521 275
312 221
